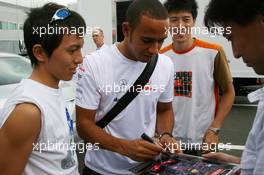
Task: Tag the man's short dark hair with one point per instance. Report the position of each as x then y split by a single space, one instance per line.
41 18
241 12
151 8
182 5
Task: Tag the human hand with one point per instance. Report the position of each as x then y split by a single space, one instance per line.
141 150
170 144
222 157
212 140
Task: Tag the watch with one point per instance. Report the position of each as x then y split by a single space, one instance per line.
214 130
165 133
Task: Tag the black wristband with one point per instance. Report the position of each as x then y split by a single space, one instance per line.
165 133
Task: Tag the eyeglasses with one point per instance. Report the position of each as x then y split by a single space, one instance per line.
60 14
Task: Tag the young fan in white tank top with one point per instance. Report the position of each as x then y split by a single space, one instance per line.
36 128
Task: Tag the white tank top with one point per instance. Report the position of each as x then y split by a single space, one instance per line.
51 154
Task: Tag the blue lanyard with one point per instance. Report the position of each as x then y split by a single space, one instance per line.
69 121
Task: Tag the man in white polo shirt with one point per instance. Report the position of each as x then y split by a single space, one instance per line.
101 77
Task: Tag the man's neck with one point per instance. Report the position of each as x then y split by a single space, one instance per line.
100 45
122 47
47 80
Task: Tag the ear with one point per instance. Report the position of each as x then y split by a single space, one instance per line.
194 21
262 18
125 29
39 53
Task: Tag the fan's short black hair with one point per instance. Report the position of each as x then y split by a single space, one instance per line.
182 5
41 18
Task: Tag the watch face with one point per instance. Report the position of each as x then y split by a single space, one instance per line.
215 130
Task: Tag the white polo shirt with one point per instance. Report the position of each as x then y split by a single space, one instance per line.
101 78
253 155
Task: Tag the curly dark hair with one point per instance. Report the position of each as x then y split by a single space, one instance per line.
151 8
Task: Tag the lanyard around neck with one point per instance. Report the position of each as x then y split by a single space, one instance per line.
69 121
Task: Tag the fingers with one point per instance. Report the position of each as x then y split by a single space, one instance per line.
211 139
170 144
210 155
216 156
223 157
141 150
206 151
150 148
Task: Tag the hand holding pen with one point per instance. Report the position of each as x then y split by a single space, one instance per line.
145 137
169 147
140 150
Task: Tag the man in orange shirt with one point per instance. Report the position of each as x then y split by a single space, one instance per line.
201 69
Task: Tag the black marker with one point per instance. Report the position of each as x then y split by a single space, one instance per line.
144 136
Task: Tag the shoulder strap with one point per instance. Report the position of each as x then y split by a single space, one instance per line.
130 94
